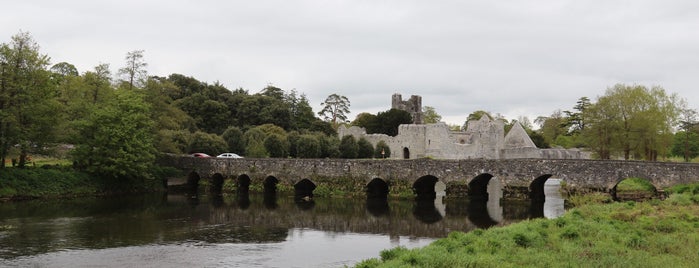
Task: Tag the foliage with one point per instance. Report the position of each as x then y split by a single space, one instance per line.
627 234
631 121
382 150
134 72
365 149
27 102
430 115
335 109
276 145
116 139
348 147
308 146
202 142
686 144
635 184
52 181
329 146
385 122
234 138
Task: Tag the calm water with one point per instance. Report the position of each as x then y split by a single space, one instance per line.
177 230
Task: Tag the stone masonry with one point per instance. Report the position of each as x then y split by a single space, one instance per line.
483 138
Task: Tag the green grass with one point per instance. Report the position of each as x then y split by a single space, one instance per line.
628 234
57 181
635 185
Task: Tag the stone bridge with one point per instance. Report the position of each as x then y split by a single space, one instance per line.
427 177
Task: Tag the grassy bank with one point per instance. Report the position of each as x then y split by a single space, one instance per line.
30 183
629 234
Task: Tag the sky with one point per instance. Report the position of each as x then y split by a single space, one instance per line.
513 58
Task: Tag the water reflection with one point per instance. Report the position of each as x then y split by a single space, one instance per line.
39 227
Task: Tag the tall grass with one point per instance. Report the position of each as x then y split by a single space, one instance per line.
629 234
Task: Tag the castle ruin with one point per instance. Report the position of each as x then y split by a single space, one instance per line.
484 138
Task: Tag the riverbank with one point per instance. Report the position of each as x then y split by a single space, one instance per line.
630 234
60 182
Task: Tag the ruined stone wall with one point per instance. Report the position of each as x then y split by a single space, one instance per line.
412 106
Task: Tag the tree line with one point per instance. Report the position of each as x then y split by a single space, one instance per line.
118 126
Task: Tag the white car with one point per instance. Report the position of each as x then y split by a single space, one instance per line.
228 155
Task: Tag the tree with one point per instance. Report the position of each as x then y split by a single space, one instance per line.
551 127
366 121
234 138
27 99
364 148
116 139
348 147
382 150
633 121
430 115
277 145
208 143
389 121
254 143
308 146
335 108
688 122
329 146
134 71
576 120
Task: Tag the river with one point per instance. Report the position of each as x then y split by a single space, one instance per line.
180 230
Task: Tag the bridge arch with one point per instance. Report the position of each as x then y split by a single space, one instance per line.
478 186
536 188
377 188
424 187
193 180
614 192
270 184
243 184
304 189
216 183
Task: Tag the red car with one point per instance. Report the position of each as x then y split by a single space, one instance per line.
200 155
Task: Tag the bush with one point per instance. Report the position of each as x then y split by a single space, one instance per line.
348 147
365 149
308 147
382 147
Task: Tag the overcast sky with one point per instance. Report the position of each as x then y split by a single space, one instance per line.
515 58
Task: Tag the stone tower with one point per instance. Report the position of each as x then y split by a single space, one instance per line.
412 106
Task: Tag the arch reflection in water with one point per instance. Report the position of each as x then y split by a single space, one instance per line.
549 203
377 206
486 212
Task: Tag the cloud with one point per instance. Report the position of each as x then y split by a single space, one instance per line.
512 57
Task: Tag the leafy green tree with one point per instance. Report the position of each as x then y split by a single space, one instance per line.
688 125
234 138
277 146
335 108
293 138
576 120
116 139
551 127
390 120
254 143
632 121
202 142
308 146
27 98
430 115
348 147
366 121
382 150
686 145
135 70
329 146
364 148
170 121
